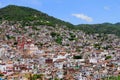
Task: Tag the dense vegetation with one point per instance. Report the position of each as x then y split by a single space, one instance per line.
1 75
58 38
112 78
77 57
31 17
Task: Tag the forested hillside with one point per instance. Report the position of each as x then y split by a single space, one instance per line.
29 16
106 28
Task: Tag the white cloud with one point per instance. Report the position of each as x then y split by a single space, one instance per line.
83 17
106 8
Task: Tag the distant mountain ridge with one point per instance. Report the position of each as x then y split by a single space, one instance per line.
31 17
106 28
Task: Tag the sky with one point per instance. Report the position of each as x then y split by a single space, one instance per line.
74 11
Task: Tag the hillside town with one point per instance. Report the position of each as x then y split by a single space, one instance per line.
57 53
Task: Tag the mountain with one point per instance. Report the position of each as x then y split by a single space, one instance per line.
29 16
106 28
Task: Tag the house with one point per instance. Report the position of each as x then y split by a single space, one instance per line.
93 60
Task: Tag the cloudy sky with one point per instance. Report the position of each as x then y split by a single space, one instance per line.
74 11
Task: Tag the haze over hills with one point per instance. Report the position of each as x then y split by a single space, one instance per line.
28 16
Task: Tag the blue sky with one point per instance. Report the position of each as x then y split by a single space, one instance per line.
74 11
